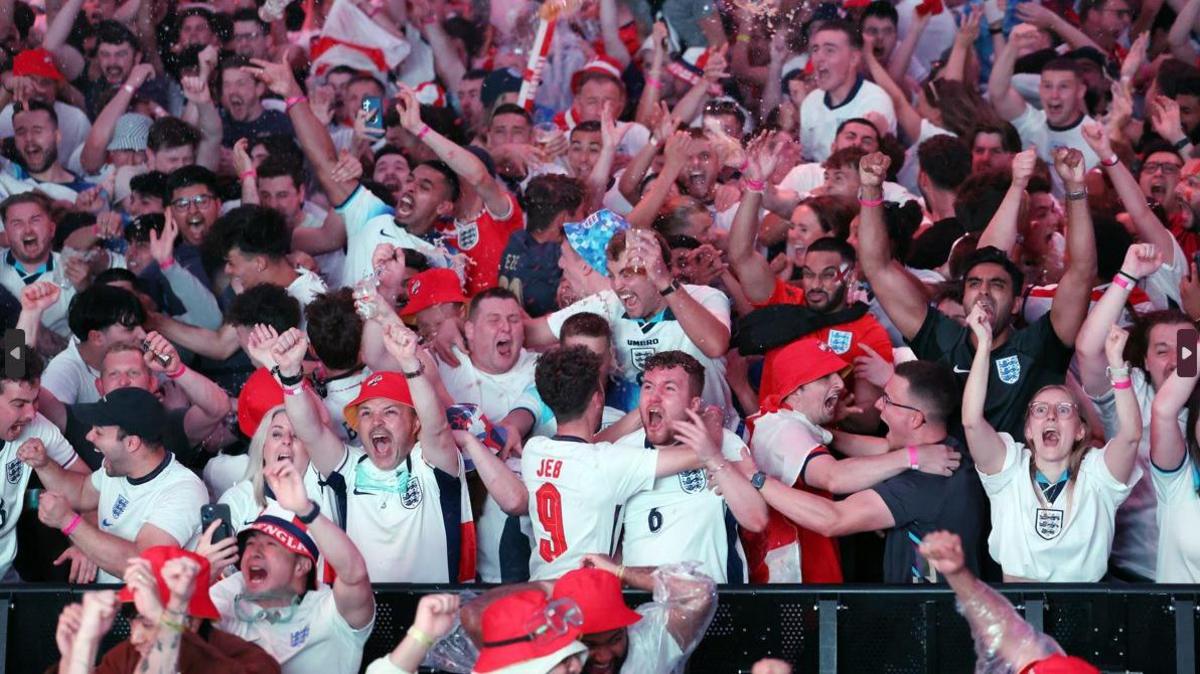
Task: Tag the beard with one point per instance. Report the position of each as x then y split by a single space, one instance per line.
49 157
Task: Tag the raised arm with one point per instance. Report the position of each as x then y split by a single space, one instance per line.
1044 17
303 408
446 62
772 92
987 448
502 483
1074 293
208 120
1168 446
1148 227
464 163
964 46
631 178
1180 37
1141 260
648 103
217 344
906 115
899 292
437 445
57 31
1006 100
708 332
610 33
897 65
748 264
1120 454
1001 231
675 154
95 148
351 588
311 134
209 402
611 133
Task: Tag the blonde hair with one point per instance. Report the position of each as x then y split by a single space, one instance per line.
1081 446
254 468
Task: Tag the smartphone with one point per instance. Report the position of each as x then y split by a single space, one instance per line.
373 105
217 511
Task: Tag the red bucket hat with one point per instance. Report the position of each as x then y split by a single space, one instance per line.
390 385
200 605
804 361
36 62
1060 664
598 594
260 393
525 633
431 288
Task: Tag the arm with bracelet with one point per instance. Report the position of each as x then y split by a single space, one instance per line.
986 445
1074 293
1141 260
1120 454
436 615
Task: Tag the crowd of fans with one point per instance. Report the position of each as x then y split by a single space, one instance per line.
579 294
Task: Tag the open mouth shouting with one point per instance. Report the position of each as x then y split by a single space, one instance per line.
504 347
256 574
1051 437
405 205
381 442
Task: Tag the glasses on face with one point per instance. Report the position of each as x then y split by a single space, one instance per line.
199 201
1040 410
557 619
888 401
1166 168
829 275
245 37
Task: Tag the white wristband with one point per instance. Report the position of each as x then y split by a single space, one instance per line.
992 12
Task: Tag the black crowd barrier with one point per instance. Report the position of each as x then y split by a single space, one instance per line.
823 629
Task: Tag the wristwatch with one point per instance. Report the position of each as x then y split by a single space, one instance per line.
669 289
413 375
758 480
286 380
312 514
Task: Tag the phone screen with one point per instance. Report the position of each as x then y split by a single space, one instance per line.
373 105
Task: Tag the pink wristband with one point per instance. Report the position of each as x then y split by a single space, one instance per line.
913 464
177 373
871 203
72 525
423 130
654 82
249 173
1122 282
295 390
289 102
1110 162
755 185
166 264
1122 384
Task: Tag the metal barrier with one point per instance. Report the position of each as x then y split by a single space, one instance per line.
826 629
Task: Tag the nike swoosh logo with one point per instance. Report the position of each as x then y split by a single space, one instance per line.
958 371
384 233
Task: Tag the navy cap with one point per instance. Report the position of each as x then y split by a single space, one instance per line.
135 411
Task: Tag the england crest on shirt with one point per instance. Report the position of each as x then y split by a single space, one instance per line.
692 481
1009 369
839 341
467 234
299 637
411 498
1048 523
13 471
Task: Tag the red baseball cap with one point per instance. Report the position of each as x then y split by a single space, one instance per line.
605 65
430 288
598 594
259 394
200 605
1061 664
804 361
525 633
37 62
390 385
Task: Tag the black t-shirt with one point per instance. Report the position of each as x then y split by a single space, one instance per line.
1032 357
530 269
174 438
922 503
269 123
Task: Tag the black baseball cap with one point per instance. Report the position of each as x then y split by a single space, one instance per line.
135 411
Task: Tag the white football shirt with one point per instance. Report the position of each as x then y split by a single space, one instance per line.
501 536
819 120
314 638
681 519
576 490
1067 541
416 536
635 340
69 379
168 498
16 479
1178 513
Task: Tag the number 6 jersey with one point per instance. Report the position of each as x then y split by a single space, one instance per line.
576 491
